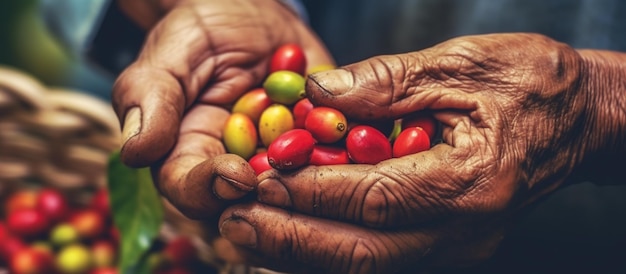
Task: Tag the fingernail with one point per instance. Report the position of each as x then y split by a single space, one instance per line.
132 124
335 82
229 189
239 232
273 192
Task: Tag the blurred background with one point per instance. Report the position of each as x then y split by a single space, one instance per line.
581 227
26 44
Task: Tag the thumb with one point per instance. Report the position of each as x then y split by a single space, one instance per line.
368 89
149 104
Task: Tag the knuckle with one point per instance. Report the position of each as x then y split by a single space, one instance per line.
189 211
195 204
388 201
462 46
124 80
363 257
376 205
176 209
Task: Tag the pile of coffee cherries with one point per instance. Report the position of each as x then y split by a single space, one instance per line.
42 231
276 126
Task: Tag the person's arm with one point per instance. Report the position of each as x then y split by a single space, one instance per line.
606 92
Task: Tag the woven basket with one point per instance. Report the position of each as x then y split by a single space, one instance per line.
53 137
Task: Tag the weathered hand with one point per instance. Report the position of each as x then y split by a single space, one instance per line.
514 119
199 58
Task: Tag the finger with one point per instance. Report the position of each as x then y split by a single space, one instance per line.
176 65
197 177
287 241
394 193
149 104
414 189
151 95
384 87
228 252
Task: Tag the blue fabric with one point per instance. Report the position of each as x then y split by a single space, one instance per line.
298 8
74 22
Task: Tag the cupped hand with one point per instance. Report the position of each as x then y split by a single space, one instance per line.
513 120
173 100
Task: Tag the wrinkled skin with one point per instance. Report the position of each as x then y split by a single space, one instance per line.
517 120
512 109
172 101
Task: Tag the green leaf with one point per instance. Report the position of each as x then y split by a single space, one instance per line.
137 212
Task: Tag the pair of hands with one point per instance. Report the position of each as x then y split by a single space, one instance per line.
511 106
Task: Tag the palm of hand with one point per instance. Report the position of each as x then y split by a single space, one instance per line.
173 100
